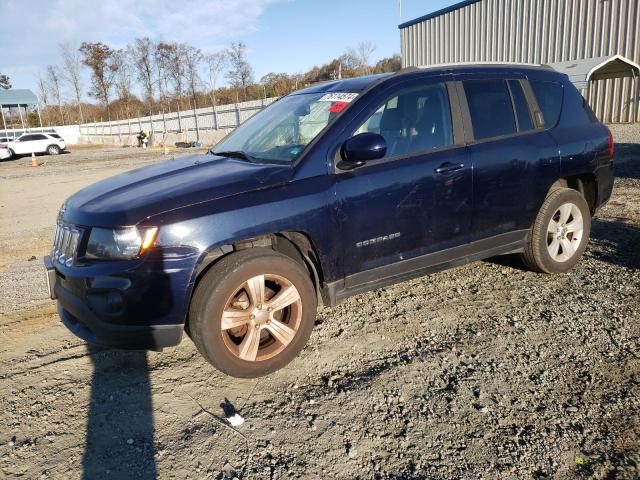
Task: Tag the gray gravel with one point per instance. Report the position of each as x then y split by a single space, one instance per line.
484 371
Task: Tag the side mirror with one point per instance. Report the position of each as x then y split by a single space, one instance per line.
359 149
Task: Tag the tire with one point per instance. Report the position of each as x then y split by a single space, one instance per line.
555 242
53 149
13 154
233 286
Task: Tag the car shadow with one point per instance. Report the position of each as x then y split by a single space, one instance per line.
626 162
511 260
120 425
616 241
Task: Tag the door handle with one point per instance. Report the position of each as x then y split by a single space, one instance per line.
448 167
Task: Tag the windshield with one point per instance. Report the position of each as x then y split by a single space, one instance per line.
281 132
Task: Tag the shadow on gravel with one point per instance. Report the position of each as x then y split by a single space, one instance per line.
613 241
626 163
120 429
616 242
511 260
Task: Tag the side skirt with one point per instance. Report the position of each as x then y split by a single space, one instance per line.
336 292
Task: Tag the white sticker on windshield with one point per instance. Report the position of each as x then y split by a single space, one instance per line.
338 97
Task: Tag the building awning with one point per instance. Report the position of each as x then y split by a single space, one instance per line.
17 97
581 71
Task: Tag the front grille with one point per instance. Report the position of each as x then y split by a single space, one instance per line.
65 244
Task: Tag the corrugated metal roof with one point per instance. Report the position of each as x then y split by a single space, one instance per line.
14 97
437 13
596 68
536 31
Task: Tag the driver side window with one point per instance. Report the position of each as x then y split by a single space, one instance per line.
412 121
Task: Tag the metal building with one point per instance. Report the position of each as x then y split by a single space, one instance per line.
536 31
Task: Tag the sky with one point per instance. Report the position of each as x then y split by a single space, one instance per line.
288 36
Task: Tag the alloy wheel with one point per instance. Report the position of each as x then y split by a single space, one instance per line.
261 317
564 232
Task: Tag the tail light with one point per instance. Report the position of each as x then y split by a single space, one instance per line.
610 145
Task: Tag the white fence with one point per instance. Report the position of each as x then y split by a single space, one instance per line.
185 125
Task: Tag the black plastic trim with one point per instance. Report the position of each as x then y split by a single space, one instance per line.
396 272
82 322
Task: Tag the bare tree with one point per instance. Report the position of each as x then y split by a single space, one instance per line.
71 61
241 74
142 56
365 49
99 58
192 58
217 63
124 73
54 77
162 58
43 94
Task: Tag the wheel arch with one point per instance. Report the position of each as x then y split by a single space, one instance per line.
296 245
585 183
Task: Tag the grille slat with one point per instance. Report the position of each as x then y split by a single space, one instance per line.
65 244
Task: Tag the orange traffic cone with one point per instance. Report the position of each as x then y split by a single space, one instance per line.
34 162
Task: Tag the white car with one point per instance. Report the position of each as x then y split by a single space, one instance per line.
4 152
28 143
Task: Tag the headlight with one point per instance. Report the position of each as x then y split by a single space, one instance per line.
120 243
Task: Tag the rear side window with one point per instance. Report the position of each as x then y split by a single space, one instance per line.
54 135
522 107
490 108
549 97
576 111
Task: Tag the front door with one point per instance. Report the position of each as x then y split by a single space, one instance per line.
415 200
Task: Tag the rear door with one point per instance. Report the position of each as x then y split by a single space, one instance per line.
41 142
415 200
30 143
514 159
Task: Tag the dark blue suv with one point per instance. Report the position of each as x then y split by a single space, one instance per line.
333 190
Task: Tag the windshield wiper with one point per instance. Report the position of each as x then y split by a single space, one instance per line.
235 154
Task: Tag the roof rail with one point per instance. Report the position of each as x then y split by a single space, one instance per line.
473 64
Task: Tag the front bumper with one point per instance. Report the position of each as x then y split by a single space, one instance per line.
77 315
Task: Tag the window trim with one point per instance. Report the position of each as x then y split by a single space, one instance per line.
528 105
457 127
534 108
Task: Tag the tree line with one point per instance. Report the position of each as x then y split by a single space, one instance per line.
148 77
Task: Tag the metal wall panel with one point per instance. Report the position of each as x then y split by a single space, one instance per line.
537 31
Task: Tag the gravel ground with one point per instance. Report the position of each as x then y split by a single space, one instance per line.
484 371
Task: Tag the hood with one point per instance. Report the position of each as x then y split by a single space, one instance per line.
130 197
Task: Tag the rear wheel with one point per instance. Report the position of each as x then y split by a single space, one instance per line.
560 232
253 312
53 149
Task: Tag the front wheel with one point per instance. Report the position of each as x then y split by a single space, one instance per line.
560 233
252 312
